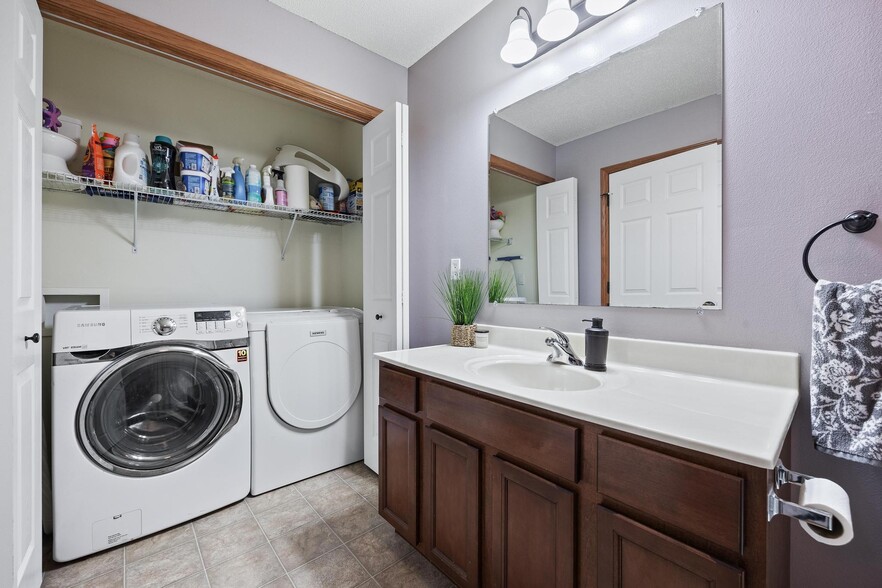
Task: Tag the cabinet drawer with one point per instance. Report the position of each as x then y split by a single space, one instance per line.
545 443
398 388
689 496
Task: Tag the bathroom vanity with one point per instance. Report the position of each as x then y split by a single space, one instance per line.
506 470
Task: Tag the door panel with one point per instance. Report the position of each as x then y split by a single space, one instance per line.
21 68
665 223
531 526
453 479
633 556
399 462
557 242
384 254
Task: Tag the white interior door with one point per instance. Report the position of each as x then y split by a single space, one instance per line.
385 255
21 68
665 231
557 242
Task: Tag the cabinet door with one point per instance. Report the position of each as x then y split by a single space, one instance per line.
399 461
631 555
531 527
453 477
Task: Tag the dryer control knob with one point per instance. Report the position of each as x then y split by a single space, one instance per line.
164 326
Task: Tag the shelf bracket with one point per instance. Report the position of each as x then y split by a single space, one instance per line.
135 223
288 238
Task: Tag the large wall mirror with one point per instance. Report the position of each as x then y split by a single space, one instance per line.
606 189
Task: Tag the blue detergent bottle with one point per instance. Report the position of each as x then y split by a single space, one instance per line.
238 180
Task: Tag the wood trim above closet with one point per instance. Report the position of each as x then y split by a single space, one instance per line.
518 171
120 26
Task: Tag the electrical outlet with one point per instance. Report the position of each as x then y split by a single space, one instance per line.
455 268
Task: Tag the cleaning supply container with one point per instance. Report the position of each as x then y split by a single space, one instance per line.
252 184
195 182
326 197
162 158
130 162
238 179
195 159
109 143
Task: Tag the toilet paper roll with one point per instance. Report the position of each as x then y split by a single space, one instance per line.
297 185
828 496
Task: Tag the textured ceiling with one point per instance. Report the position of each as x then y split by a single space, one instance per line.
682 64
399 30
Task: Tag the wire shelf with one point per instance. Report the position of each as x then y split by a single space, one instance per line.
60 182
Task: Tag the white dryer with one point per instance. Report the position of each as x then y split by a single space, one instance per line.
307 401
151 421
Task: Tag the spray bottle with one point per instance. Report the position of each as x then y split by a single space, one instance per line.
268 185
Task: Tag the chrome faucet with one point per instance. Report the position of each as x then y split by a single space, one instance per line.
561 350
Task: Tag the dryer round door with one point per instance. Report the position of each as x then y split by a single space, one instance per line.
315 385
158 408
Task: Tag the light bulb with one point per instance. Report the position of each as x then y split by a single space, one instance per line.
603 7
559 21
520 47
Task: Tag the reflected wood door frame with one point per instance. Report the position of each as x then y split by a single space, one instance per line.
518 171
605 172
123 27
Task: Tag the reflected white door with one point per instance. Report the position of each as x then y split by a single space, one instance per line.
557 242
385 256
21 68
665 231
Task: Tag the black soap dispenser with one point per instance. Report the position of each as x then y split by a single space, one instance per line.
596 342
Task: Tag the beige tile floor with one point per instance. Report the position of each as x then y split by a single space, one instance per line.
324 531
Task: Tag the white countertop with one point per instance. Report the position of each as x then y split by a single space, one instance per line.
733 403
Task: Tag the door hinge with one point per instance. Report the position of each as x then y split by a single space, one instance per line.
607 287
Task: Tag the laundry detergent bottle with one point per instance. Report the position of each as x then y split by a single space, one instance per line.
238 179
130 162
252 184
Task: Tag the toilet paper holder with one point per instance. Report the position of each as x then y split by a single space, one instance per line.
777 505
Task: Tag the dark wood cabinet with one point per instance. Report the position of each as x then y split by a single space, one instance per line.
498 493
452 506
631 555
531 529
399 454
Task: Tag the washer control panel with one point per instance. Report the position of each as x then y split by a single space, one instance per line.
205 324
164 326
217 321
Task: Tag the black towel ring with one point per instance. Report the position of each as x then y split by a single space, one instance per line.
859 221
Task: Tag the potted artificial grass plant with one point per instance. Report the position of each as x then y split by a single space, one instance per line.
498 287
461 300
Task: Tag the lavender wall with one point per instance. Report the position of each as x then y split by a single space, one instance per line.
693 122
262 31
803 135
515 144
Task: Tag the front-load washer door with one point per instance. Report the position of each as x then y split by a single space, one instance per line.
313 369
157 408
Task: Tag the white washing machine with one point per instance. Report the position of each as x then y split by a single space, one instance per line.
151 421
307 403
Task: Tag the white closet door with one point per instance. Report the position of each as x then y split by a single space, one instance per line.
385 256
557 242
21 68
665 243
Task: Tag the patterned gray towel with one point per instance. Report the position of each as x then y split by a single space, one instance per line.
846 371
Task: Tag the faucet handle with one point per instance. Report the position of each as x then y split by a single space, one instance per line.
564 340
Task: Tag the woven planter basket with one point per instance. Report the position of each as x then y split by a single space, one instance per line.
463 335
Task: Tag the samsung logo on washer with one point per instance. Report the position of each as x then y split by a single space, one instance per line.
318 333
87 325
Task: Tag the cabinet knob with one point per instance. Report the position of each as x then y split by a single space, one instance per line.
35 338
379 316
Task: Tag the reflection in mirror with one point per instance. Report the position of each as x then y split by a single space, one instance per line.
607 188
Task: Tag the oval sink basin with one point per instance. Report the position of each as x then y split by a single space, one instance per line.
535 374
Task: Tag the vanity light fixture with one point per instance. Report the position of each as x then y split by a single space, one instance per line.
520 47
561 22
604 7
